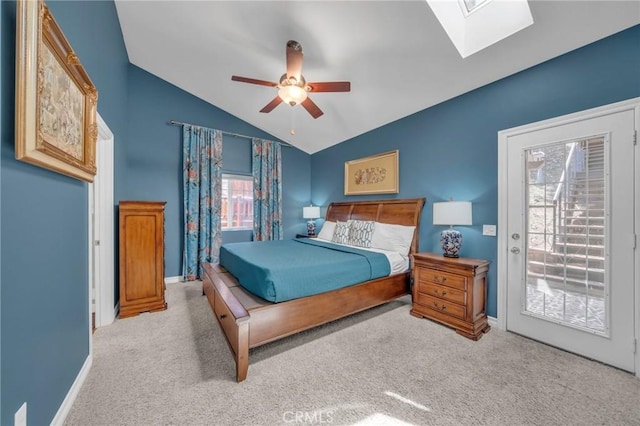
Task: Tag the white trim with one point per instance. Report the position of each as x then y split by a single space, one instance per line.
174 280
636 172
104 291
629 104
493 321
501 256
503 237
66 405
103 129
90 261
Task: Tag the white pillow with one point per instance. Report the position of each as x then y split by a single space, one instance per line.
341 234
391 237
360 232
328 228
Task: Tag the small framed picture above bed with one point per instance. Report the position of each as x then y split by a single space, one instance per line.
377 174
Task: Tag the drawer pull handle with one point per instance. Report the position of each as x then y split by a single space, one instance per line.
440 308
440 279
444 293
223 316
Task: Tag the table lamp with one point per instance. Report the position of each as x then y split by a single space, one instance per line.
451 213
311 213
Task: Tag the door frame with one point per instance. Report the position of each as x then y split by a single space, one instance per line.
503 202
104 295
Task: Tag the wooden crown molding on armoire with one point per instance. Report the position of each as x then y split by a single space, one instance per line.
141 257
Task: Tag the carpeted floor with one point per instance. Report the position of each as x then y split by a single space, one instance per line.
380 367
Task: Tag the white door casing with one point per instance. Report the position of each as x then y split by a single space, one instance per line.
101 229
616 123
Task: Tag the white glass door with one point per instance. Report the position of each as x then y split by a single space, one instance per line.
571 228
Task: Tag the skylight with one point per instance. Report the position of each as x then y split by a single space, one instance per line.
473 25
469 6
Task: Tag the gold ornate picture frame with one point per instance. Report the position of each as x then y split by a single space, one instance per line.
377 174
56 102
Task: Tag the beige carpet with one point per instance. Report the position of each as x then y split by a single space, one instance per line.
380 367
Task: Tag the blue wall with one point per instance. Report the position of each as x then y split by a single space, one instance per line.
43 215
451 150
44 293
154 157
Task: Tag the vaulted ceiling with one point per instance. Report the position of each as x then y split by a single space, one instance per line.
396 55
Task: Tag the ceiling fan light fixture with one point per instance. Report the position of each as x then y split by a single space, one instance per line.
292 86
292 94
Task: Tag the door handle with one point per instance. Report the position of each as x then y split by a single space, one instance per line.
515 250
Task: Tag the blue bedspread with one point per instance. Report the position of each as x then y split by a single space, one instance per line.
289 269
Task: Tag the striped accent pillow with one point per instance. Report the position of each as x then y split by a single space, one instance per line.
360 232
341 234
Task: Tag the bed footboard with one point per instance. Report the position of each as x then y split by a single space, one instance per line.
231 315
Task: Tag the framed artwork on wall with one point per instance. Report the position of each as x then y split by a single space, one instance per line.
56 102
377 174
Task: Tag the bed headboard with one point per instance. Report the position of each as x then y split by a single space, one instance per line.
400 212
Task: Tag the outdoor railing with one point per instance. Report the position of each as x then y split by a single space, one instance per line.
557 196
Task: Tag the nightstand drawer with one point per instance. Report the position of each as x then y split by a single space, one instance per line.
443 278
441 306
443 292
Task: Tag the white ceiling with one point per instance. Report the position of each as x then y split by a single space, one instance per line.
395 53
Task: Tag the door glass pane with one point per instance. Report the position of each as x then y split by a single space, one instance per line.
565 199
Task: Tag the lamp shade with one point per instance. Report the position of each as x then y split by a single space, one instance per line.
452 213
311 212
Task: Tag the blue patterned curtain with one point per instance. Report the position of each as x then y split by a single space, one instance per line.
202 178
267 190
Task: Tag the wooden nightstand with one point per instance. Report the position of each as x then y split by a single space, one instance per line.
451 291
305 236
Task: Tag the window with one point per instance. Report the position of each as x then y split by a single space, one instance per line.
237 202
473 25
469 6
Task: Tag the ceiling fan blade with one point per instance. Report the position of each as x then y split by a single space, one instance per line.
294 59
330 86
312 108
271 105
253 81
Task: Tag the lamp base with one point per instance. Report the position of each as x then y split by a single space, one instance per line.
311 228
451 241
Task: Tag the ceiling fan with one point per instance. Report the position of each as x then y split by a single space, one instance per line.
292 87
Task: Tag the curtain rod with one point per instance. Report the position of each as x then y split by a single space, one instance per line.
237 135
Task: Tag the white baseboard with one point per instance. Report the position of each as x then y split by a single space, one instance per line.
64 409
493 322
174 280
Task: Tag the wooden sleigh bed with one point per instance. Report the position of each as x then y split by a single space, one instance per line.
249 321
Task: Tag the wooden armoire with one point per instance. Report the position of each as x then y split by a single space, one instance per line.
141 257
